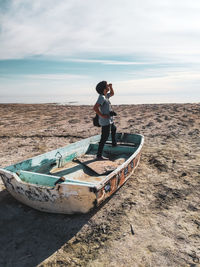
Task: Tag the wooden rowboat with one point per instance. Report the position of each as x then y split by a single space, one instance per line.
70 179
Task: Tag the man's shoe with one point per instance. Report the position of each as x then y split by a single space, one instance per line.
114 145
102 158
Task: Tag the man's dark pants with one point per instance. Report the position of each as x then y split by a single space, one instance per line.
105 131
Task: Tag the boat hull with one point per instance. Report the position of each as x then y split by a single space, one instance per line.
73 196
67 199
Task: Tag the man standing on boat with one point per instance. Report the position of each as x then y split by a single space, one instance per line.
105 113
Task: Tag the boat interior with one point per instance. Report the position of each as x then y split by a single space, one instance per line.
76 163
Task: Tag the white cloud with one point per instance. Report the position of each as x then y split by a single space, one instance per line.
56 77
75 27
109 62
168 83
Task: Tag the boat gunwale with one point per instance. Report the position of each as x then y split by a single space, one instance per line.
54 150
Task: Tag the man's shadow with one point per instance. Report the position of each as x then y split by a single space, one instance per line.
28 236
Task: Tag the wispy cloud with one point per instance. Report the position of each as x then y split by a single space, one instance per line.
58 77
170 83
76 27
109 62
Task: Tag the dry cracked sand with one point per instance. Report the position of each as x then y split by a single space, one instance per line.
153 220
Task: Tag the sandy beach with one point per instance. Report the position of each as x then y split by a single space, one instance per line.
153 220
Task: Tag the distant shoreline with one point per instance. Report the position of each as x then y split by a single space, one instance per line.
78 104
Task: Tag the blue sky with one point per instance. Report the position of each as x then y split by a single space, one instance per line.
57 51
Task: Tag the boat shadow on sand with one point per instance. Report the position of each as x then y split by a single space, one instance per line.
28 236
